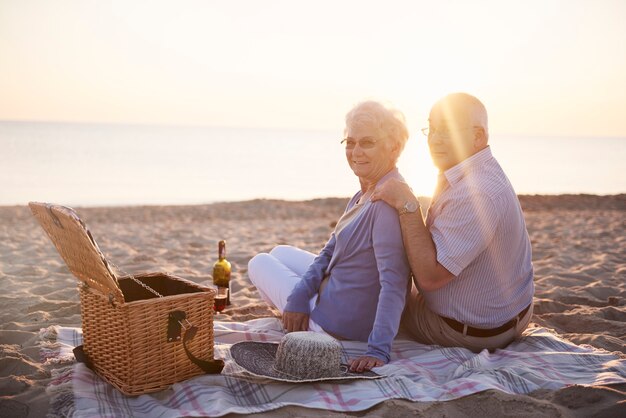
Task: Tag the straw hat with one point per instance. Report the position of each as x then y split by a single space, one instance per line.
299 357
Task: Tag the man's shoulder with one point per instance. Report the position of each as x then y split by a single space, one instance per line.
486 181
486 191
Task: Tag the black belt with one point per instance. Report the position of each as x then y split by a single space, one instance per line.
481 332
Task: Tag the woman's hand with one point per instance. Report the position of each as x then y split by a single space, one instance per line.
295 321
364 363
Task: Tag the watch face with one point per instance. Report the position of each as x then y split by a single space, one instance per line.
410 206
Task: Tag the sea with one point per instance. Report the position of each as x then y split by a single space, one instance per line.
84 164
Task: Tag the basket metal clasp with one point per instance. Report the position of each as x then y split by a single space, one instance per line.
176 321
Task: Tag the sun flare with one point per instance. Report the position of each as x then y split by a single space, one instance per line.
417 167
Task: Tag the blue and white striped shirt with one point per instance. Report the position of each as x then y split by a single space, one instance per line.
480 235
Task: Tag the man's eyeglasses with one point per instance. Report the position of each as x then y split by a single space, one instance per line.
365 143
443 132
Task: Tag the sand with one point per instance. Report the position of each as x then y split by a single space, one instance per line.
579 254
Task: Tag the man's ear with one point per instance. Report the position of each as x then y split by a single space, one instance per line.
480 138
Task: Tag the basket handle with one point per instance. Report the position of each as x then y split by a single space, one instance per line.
208 366
178 320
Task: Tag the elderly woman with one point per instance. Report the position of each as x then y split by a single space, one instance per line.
355 288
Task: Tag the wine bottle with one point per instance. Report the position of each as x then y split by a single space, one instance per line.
221 270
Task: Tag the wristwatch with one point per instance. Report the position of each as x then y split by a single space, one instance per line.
410 206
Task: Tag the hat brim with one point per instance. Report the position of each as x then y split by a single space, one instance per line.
259 358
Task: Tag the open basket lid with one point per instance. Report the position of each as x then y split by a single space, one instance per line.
77 247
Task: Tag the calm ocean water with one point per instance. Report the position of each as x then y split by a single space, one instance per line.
91 164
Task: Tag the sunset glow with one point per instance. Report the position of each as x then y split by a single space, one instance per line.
289 71
553 68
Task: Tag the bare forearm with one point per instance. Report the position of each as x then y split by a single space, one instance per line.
418 243
422 254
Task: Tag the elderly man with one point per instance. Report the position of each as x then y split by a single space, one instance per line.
471 258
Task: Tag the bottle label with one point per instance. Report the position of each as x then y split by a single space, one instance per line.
220 276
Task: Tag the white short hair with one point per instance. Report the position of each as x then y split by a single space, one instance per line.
388 120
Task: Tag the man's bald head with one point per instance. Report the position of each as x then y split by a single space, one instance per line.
458 129
463 109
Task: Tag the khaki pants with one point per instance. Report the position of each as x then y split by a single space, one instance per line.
427 327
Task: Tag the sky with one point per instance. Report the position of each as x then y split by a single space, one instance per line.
542 67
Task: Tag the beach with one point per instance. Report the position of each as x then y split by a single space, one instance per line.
579 257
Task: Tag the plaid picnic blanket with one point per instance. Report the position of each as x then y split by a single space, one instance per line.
539 360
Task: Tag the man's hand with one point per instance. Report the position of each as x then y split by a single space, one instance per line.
364 363
295 321
393 192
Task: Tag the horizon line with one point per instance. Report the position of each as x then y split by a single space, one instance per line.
282 128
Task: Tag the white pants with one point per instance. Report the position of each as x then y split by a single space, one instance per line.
277 273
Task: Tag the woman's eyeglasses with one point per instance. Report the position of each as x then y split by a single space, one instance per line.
365 143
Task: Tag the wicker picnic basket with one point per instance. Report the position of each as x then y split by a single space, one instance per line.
141 333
